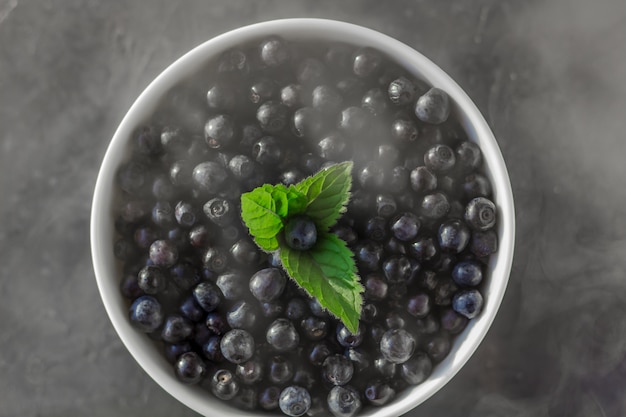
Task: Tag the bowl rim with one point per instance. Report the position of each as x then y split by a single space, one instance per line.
101 222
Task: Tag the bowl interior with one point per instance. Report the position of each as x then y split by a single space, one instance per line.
107 269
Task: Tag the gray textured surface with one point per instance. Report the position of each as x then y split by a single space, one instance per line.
550 77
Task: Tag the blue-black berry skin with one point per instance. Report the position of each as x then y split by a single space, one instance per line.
439 158
176 329
435 206
151 280
415 370
453 236
367 63
146 314
468 156
379 393
468 273
275 52
209 176
267 284
344 401
433 107
219 131
224 385
300 233
282 335
267 151
483 244
242 315
273 116
405 227
348 339
468 303
402 91
268 398
337 369
294 401
207 296
480 214
280 370
190 368
232 284
314 328
237 346
397 345
423 180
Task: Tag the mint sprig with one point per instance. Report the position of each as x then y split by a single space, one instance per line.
326 271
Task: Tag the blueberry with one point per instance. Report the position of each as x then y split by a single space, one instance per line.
419 305
332 147
300 233
180 172
337 369
359 358
211 349
404 130
468 303
296 309
294 401
132 177
185 214
146 314
453 236
379 393
274 51
173 351
216 322
241 166
215 259
190 309
250 372
433 107
367 63
423 248
151 280
280 370
468 273
268 398
354 121
483 243
345 233
348 339
176 329
402 91
250 133
245 252
344 401
272 310
371 176
163 214
291 176
435 205
224 385
190 368
222 97
247 398
220 211
417 369
480 214
387 155
438 347
267 151
310 163
395 320
444 291
350 87
439 158
307 122
310 71
314 328
397 181
452 322
207 296
368 255
304 376
326 99
316 308
282 335
237 346
291 95
375 287
395 247
385 368
428 325
242 315
397 269
318 353
468 156
209 176
263 90
233 61
163 253
272 116
475 185
129 287
219 131
375 101
405 227
397 345
232 284
423 180
376 228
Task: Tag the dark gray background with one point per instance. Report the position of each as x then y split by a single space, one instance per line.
549 76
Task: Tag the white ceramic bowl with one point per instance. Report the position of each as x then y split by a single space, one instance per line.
107 269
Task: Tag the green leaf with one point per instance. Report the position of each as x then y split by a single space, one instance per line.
328 273
258 212
327 194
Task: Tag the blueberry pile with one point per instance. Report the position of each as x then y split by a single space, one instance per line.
420 223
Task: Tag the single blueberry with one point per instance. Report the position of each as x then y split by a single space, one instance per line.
348 339
241 166
417 369
216 322
402 91
282 335
300 233
375 101
151 279
327 99
419 305
267 151
379 393
291 96
337 369
190 368
344 401
405 227
439 158
146 314
435 206
307 122
268 398
232 284
209 176
480 214
163 253
397 345
207 296
314 328
367 63
468 303
294 401
468 156
280 370
375 287
272 116
220 211
224 385
453 236
433 107
237 346
262 90
332 147
404 130
452 322
468 273
275 51
483 244
222 97
438 347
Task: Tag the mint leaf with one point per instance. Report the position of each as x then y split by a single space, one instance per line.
327 194
328 273
258 212
289 201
